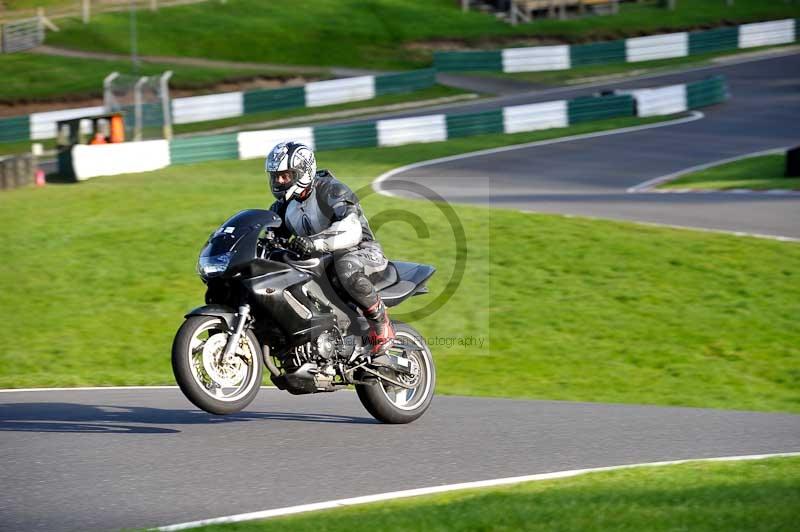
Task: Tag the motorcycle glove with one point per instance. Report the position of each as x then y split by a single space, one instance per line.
303 246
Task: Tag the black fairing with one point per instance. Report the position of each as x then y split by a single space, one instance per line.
239 234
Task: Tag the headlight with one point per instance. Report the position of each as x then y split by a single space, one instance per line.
210 266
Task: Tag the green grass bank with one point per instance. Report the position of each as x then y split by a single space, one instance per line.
377 33
29 77
756 173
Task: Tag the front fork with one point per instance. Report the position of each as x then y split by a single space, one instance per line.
233 340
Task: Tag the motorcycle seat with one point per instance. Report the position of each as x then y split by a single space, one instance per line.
409 277
387 277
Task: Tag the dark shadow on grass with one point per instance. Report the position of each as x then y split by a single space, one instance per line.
111 419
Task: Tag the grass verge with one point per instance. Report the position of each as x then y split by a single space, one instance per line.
376 33
98 276
698 496
31 77
756 173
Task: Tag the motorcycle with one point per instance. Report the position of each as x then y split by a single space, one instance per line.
266 304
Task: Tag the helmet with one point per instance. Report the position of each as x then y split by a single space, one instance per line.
296 158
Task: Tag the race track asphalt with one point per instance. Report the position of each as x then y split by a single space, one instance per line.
110 459
590 177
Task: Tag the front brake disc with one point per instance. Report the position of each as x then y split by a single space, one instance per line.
229 372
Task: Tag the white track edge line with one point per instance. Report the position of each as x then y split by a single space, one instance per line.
651 183
100 388
693 115
338 503
87 388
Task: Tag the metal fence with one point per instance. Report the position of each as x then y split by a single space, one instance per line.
22 35
86 9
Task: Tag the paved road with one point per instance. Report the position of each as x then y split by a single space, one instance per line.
92 460
589 177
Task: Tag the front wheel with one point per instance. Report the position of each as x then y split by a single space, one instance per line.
217 387
390 403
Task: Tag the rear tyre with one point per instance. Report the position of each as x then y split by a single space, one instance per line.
216 388
394 404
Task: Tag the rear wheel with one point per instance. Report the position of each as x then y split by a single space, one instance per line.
217 387
390 403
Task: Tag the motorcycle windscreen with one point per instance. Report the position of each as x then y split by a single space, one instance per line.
226 237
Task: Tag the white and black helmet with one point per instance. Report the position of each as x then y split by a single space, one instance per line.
296 157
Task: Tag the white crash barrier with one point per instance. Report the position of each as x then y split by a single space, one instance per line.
254 144
767 33
662 101
334 91
657 47
399 131
535 59
208 107
123 158
535 116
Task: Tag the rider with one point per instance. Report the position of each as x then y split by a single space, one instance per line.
324 215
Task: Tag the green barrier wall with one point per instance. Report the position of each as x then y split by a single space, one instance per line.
598 108
720 39
258 101
465 125
706 92
348 136
600 53
205 148
466 61
404 82
15 128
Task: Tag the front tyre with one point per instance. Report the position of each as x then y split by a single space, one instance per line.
394 404
218 388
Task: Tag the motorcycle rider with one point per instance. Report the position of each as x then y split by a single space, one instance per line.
324 215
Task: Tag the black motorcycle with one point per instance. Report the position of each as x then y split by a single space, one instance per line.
263 302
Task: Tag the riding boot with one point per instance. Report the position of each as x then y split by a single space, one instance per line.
381 331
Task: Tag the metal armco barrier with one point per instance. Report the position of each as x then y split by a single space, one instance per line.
18 171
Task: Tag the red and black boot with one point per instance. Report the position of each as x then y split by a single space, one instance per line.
381 331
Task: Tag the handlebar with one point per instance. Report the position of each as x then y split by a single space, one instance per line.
278 243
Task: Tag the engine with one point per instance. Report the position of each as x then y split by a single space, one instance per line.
327 348
312 366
